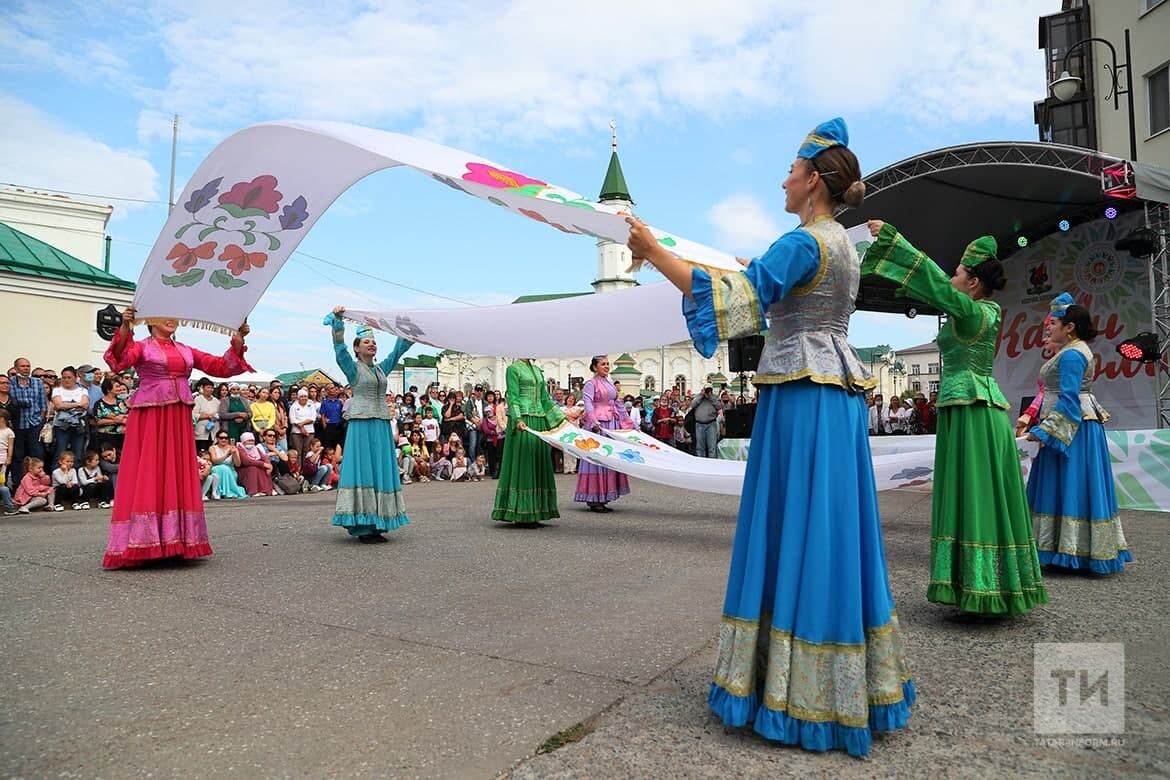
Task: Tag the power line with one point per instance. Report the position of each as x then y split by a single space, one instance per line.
28 188
384 281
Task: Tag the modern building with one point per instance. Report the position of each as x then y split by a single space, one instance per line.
921 370
54 279
646 372
1134 36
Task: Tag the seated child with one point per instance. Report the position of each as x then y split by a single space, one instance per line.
36 489
95 486
66 483
477 470
459 466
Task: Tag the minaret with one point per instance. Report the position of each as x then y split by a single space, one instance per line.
613 258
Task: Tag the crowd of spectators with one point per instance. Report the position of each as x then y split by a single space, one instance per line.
913 416
61 434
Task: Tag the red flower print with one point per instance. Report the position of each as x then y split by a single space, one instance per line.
186 257
239 261
500 179
252 198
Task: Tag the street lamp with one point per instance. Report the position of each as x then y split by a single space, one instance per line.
1065 87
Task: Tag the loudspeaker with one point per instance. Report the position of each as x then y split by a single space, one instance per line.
743 354
737 422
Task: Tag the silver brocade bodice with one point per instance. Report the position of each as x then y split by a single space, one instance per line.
808 330
1050 376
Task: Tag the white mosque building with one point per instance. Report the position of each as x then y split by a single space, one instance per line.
647 372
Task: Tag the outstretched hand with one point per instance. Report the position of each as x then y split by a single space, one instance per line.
339 310
875 226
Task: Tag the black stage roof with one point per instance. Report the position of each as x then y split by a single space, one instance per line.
941 200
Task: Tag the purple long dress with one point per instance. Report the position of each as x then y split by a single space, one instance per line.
597 484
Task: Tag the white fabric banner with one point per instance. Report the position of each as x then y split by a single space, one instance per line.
551 329
641 456
251 202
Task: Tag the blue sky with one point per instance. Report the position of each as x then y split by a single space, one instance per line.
711 103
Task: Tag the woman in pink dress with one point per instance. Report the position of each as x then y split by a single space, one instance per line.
158 506
597 485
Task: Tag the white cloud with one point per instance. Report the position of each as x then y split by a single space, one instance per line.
743 224
39 152
458 69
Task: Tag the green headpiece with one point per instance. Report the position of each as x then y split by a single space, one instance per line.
982 248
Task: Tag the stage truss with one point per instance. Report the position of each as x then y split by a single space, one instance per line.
1158 220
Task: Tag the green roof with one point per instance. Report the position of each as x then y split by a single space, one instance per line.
422 361
614 187
548 297
872 354
296 377
22 254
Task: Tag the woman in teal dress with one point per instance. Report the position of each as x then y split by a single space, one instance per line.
982 553
369 493
809 646
527 491
1070 487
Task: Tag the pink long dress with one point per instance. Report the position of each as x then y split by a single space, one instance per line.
603 408
158 506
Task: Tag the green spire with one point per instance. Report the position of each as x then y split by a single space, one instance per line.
614 186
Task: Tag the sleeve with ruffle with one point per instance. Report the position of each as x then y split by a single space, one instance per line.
553 416
892 257
228 364
589 420
345 360
1060 425
123 352
735 304
400 348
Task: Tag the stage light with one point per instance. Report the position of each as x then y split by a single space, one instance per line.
1110 213
1022 241
1063 224
1143 348
1142 242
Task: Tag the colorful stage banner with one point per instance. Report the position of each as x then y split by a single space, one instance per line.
1115 288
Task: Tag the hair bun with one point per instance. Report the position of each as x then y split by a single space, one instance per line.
854 194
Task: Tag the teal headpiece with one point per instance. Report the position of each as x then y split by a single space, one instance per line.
365 332
824 136
1060 305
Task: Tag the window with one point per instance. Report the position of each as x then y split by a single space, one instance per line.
933 387
915 369
1158 88
932 369
1148 5
916 386
648 383
680 382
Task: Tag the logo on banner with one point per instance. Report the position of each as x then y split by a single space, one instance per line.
1099 269
1038 279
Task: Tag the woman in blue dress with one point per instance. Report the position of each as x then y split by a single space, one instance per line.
809 648
369 493
1070 487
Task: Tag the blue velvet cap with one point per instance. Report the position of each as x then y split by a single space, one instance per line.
824 136
1060 305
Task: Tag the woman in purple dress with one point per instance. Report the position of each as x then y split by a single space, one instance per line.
597 485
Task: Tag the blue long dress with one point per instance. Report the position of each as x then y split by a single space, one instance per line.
1070 487
810 649
369 492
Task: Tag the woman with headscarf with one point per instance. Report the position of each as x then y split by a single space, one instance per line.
527 491
1070 487
810 650
369 492
158 503
982 553
604 410
253 470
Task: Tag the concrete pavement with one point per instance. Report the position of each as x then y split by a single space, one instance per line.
460 647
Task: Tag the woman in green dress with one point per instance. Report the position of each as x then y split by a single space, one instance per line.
982 552
527 490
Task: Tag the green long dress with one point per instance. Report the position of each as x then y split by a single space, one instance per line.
527 490
982 552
